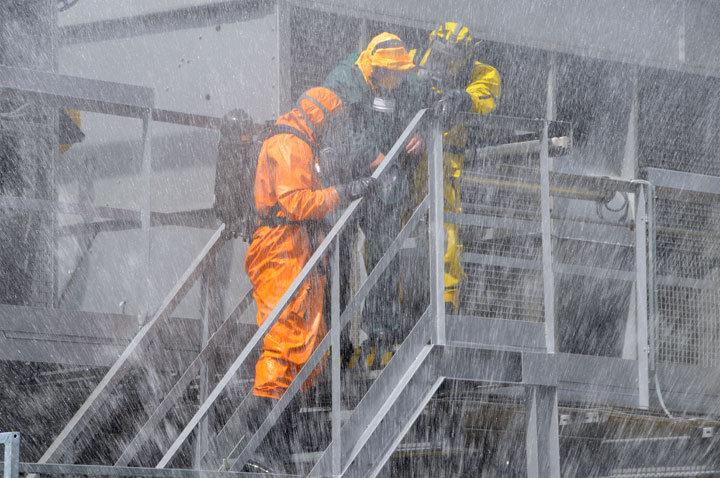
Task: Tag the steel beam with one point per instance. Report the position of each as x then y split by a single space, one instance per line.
209 14
127 471
665 178
143 339
499 334
79 93
32 334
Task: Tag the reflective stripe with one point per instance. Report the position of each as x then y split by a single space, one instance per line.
392 43
456 32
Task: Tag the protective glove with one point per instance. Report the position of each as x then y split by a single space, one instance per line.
451 103
355 189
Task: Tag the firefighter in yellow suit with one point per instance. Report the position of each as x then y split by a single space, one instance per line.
456 82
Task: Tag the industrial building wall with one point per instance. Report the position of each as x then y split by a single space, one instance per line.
205 70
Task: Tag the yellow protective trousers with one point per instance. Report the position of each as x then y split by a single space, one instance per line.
454 140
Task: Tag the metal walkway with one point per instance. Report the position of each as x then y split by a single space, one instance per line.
506 337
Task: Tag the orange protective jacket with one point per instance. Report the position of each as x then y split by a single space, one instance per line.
287 182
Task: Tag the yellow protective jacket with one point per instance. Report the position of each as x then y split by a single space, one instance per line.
482 83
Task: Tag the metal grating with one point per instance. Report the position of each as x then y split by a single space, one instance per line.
499 287
688 249
502 293
688 329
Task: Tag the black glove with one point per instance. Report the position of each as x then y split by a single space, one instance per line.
355 189
452 103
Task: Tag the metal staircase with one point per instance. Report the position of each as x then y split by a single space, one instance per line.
504 339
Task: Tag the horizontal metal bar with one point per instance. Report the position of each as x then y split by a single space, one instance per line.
479 365
676 281
186 119
199 218
561 268
509 123
211 14
665 178
80 93
495 333
85 210
131 471
521 225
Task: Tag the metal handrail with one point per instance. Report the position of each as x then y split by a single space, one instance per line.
128 358
324 345
313 262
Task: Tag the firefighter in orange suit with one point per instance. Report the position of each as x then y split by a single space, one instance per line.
292 202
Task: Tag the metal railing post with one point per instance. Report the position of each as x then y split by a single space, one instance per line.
209 311
145 219
641 294
335 330
12 454
437 234
546 229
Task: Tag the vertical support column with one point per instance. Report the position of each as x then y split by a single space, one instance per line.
542 440
629 171
144 310
681 33
209 309
12 454
437 234
551 93
546 229
335 357
546 207
641 291
284 59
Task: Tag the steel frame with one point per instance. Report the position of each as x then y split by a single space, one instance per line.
439 347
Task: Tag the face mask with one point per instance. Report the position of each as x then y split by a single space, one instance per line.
442 64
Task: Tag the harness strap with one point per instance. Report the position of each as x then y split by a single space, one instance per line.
272 219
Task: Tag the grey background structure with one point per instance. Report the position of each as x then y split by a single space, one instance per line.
590 244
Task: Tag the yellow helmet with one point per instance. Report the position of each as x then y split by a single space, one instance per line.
386 52
453 33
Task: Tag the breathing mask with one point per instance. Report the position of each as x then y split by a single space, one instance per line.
442 63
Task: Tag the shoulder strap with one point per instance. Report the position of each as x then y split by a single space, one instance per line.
272 219
286 129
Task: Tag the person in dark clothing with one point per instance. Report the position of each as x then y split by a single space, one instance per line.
371 85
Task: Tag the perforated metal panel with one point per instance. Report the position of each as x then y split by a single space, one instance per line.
688 255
